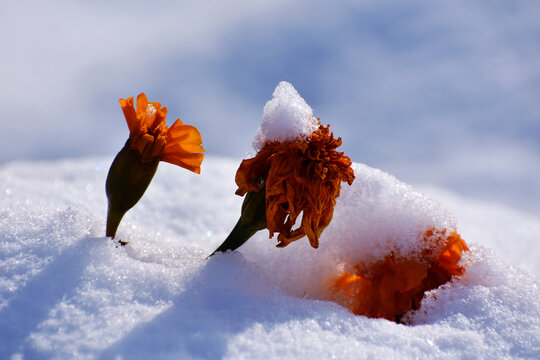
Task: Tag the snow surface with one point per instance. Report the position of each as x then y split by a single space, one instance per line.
286 116
441 92
66 291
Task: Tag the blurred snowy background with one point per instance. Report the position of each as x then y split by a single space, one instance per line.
443 93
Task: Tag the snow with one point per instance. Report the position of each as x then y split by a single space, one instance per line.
66 291
373 217
286 116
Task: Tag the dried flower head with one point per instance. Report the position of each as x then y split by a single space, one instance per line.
300 177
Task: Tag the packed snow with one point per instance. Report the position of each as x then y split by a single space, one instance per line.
69 292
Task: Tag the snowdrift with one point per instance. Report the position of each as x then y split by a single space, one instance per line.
66 291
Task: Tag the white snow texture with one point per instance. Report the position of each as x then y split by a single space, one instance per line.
67 292
286 116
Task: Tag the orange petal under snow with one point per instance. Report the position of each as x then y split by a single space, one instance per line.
393 286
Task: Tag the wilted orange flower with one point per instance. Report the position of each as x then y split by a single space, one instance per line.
391 287
299 177
180 144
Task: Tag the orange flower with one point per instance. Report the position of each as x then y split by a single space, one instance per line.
149 135
391 287
150 141
299 177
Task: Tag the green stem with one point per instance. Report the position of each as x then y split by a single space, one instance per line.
127 180
252 219
238 236
113 221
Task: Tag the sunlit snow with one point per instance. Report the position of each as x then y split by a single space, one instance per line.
69 292
286 116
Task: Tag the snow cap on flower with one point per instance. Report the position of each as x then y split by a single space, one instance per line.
286 116
297 166
295 176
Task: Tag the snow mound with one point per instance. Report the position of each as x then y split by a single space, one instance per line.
68 292
376 216
493 306
379 214
286 116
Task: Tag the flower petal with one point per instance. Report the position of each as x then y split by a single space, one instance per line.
184 138
252 172
142 103
151 137
391 287
190 161
300 176
130 115
157 122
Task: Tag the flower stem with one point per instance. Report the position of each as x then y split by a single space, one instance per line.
113 221
252 219
127 180
238 236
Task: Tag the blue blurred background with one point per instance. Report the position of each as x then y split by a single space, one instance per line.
439 93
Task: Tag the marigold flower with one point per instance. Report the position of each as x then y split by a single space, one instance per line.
300 177
391 287
150 141
149 135
291 178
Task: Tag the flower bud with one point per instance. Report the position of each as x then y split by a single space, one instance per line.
128 179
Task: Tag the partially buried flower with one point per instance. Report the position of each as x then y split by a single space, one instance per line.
150 141
291 176
391 287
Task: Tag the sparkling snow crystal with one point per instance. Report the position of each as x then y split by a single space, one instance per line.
286 116
67 292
